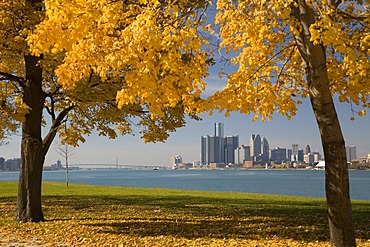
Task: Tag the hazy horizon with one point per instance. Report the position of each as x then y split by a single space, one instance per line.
131 150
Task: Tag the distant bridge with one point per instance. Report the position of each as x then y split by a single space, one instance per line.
117 166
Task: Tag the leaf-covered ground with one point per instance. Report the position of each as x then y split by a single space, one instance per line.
82 215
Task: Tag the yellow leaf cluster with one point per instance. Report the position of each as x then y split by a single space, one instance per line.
345 32
269 71
12 109
16 21
270 74
96 49
153 47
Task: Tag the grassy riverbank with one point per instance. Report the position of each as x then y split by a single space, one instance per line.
82 215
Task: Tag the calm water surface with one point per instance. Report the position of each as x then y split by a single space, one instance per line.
310 183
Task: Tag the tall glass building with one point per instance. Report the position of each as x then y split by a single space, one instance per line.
351 153
255 146
217 148
219 129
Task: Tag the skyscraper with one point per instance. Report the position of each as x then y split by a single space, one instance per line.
265 148
211 150
219 134
242 153
278 155
217 148
203 150
289 154
300 156
309 158
307 150
2 161
255 146
219 129
230 144
217 143
351 153
294 157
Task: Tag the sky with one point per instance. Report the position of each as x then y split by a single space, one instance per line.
280 132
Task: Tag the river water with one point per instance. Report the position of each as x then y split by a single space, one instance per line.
309 183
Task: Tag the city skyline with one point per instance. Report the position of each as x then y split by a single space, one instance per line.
218 150
131 150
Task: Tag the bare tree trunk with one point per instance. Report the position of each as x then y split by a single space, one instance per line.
67 175
342 233
32 153
65 151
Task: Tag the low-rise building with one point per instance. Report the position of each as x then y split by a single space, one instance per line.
12 164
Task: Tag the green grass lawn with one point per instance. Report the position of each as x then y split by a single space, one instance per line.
83 215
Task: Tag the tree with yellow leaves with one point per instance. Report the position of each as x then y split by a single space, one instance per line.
150 51
287 50
83 53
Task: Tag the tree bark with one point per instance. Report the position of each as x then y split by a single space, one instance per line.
336 172
32 155
339 207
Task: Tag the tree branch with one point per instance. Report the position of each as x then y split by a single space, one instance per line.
11 77
282 67
54 128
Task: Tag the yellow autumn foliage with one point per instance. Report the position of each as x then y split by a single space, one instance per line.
93 49
270 74
12 43
154 54
154 46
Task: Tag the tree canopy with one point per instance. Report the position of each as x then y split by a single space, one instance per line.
104 61
152 47
263 38
288 50
105 66
147 51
